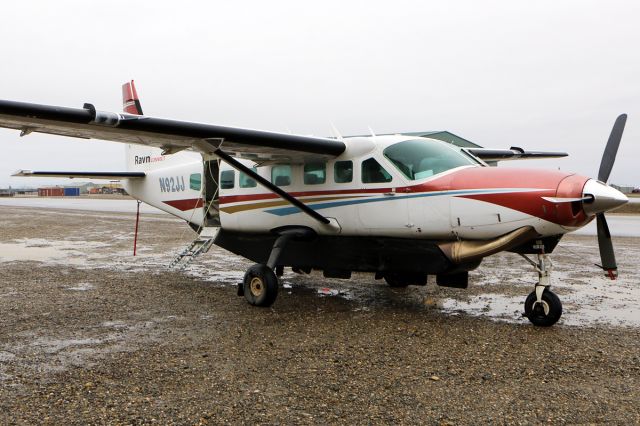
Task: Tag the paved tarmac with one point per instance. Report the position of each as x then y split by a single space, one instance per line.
89 334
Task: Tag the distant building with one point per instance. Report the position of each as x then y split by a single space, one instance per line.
623 189
26 191
71 191
50 192
7 192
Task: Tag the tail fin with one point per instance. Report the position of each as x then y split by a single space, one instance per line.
130 101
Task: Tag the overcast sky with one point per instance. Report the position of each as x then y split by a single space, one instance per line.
543 75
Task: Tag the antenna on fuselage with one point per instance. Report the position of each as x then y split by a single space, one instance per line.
335 131
373 135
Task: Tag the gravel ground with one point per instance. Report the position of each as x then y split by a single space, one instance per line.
90 335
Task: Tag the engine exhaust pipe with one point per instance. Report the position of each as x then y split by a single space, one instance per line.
459 252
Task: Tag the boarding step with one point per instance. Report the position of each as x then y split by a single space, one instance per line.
200 245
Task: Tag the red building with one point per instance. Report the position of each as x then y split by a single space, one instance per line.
50 192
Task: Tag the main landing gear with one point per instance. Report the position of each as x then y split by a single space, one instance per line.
260 284
542 306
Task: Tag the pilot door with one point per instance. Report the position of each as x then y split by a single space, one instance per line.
211 193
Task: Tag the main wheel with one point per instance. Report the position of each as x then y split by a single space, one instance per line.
547 312
403 279
260 285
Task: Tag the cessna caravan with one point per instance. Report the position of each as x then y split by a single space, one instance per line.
400 206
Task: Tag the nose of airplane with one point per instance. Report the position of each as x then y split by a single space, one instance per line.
599 197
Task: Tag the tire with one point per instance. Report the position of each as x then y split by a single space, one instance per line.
537 315
404 279
260 286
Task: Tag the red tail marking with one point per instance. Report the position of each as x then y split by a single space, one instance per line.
130 101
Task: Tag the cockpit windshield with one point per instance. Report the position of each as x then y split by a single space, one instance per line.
421 158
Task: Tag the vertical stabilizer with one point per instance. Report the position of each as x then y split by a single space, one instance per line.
130 101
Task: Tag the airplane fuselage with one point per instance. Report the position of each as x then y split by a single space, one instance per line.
468 201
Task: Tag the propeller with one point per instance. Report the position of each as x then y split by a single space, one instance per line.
607 255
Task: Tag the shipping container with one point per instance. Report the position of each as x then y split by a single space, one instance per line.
72 192
50 192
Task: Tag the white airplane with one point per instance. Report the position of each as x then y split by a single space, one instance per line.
402 207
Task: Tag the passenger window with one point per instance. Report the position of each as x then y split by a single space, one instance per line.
373 172
195 181
315 173
227 179
281 175
246 181
343 171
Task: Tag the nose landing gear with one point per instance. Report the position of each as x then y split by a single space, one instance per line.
542 307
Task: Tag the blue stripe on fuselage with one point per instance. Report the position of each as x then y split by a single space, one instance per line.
285 211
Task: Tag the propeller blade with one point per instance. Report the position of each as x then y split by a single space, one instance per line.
610 151
607 256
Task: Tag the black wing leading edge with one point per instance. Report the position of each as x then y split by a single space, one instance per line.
89 123
514 153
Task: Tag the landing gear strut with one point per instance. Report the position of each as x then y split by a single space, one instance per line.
542 306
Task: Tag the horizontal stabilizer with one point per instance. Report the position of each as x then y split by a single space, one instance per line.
86 175
513 153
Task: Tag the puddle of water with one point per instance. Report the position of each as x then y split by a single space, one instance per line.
619 225
51 346
119 206
81 287
114 324
18 252
52 251
499 307
6 356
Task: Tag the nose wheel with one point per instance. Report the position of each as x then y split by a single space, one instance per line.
543 313
542 307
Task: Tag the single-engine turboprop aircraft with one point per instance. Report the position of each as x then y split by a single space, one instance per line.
402 207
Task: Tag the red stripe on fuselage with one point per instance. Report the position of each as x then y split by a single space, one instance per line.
528 202
184 205
550 182
467 178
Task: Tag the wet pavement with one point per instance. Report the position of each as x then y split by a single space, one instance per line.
127 205
589 296
90 334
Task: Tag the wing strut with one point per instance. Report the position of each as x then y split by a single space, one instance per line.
271 187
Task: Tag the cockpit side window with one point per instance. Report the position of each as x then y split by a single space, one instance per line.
373 172
421 158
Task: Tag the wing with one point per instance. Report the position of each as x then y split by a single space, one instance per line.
84 175
170 135
513 153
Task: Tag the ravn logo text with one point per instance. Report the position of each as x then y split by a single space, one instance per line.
142 160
